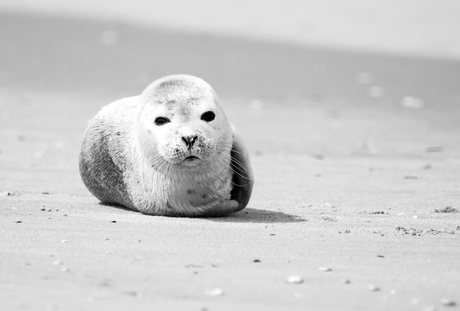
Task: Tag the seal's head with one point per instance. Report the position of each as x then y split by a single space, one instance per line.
182 123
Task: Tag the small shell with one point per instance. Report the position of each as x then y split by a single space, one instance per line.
448 302
214 292
295 279
374 288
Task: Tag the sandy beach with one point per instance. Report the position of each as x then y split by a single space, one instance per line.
356 158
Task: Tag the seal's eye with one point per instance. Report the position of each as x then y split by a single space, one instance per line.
208 116
161 121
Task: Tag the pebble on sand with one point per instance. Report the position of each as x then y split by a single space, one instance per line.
131 293
214 292
64 241
295 279
374 288
448 302
412 102
325 269
434 149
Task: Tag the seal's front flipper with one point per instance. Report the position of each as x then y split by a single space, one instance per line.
243 179
221 209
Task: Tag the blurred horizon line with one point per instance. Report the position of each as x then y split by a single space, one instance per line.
421 28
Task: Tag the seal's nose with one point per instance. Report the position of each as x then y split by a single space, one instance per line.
189 141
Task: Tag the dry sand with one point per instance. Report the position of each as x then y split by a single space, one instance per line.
348 176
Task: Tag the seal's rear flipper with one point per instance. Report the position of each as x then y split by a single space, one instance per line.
243 179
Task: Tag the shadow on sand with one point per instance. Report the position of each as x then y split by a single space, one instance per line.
250 215
253 215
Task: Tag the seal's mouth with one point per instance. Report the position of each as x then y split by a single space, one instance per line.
191 161
191 158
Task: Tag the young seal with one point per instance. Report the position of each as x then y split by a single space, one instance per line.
170 151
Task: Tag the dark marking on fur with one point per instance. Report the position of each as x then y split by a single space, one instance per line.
242 181
104 178
194 100
170 83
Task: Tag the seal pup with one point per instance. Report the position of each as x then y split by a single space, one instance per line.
170 151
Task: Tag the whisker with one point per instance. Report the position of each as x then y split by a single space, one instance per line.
239 169
240 152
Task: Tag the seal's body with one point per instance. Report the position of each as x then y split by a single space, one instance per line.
170 151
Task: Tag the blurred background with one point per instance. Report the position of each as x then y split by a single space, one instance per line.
416 27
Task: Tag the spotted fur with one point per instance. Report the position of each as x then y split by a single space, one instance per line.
127 159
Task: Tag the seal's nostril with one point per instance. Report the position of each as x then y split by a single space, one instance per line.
189 141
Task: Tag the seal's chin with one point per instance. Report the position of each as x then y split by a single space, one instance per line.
191 161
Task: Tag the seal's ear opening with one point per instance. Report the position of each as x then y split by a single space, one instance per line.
243 179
